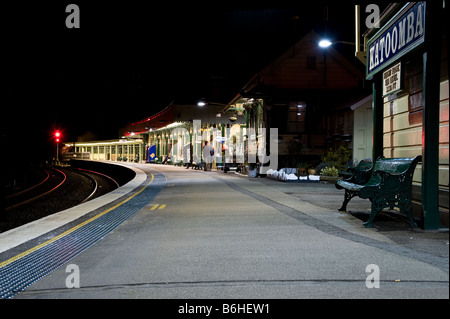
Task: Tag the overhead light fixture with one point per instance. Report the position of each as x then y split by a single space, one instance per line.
202 102
325 43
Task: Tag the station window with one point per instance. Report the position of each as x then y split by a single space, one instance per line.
414 88
296 120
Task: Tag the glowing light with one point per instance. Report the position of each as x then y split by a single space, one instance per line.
57 136
325 43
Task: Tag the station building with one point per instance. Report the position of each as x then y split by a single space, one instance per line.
165 133
127 150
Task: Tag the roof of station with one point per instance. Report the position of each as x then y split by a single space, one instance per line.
176 113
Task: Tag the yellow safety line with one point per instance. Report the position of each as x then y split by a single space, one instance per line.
154 207
162 206
29 251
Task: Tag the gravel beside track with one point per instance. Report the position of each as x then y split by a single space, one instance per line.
77 187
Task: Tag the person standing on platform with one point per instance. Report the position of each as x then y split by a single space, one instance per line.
208 152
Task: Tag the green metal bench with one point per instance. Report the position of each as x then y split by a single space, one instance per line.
389 185
357 175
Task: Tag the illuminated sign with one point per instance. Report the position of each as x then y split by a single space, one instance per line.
404 32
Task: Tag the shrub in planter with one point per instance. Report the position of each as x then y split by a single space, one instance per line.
339 158
329 171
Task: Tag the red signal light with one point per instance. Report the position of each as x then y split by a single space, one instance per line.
57 136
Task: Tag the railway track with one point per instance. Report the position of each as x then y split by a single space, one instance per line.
94 176
59 189
54 179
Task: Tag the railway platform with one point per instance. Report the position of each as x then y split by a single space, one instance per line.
33 250
189 234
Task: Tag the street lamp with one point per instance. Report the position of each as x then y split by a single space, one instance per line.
359 54
201 103
325 43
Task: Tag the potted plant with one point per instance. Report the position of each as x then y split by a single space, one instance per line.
312 168
301 169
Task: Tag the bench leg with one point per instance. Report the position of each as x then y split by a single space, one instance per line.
369 222
412 222
408 210
405 204
374 212
347 197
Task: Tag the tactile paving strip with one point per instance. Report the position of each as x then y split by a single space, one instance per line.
19 274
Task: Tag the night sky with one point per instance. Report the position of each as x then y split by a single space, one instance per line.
130 59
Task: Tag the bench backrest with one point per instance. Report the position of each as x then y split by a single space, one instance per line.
403 167
395 165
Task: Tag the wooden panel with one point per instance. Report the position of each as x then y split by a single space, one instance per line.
443 175
400 105
402 121
443 111
443 155
387 124
387 109
443 133
387 140
408 151
417 177
444 91
408 137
